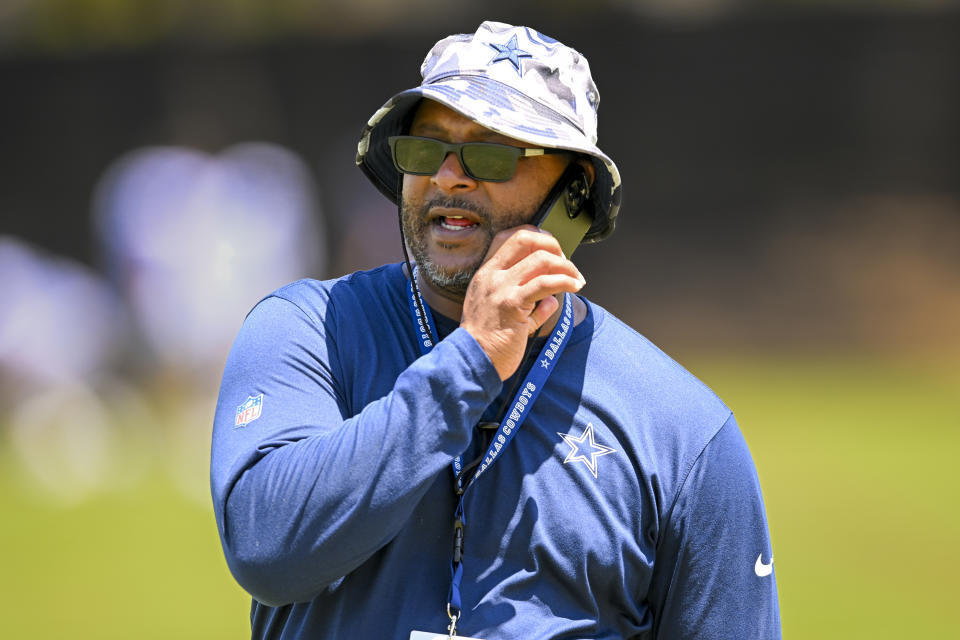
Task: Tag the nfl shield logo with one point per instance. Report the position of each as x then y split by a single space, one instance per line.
249 411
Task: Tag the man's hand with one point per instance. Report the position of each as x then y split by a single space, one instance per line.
512 293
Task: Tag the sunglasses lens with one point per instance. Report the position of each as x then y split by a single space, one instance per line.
481 160
417 155
490 162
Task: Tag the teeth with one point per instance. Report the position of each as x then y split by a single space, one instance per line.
454 227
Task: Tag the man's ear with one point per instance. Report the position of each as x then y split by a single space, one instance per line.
588 167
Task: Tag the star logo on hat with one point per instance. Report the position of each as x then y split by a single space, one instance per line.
510 51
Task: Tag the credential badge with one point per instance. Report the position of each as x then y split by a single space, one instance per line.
249 411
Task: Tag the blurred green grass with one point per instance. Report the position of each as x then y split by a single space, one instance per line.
139 563
854 455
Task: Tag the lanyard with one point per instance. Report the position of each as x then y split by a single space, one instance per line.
520 409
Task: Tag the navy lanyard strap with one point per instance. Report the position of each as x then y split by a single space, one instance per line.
520 409
426 335
531 387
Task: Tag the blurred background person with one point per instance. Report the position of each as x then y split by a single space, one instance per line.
191 240
62 330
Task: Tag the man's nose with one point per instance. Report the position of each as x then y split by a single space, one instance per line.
451 176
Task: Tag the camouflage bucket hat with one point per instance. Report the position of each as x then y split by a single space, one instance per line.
512 80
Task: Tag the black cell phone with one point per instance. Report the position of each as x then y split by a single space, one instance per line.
565 211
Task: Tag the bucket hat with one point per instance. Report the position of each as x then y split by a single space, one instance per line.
512 80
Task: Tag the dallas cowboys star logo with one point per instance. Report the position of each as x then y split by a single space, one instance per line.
511 51
587 443
544 363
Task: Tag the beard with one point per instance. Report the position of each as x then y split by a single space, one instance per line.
416 228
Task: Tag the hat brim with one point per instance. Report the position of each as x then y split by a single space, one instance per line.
499 108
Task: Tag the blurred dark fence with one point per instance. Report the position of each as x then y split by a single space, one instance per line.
759 153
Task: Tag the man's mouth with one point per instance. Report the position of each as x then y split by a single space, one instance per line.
455 223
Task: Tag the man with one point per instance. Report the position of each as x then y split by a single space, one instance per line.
540 470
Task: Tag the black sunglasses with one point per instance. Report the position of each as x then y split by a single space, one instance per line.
480 160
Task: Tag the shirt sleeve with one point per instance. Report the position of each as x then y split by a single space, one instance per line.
302 494
713 574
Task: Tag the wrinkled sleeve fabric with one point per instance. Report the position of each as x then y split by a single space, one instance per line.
305 493
711 579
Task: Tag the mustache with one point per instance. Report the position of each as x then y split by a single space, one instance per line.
456 203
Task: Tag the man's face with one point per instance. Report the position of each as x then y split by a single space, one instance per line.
449 218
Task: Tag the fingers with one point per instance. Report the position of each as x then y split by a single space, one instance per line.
524 267
524 253
543 274
541 263
512 293
512 245
545 286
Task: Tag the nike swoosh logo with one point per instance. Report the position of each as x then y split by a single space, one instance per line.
763 570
